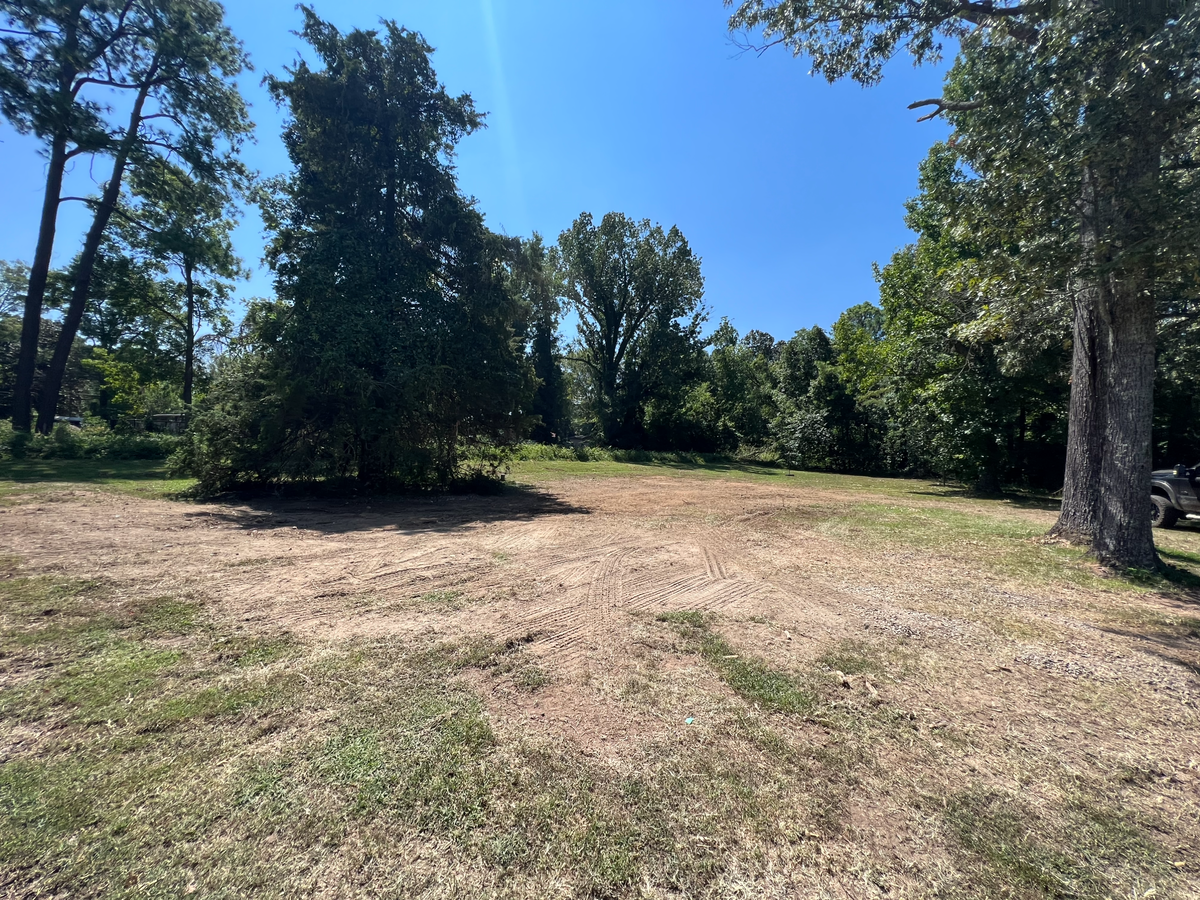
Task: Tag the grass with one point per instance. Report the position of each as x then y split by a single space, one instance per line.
749 677
151 749
538 471
223 768
916 515
1064 859
137 477
346 762
881 512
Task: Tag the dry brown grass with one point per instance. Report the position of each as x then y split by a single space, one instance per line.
644 687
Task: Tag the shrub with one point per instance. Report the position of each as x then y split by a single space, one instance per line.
550 452
95 442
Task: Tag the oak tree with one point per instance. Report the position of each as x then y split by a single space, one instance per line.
1079 120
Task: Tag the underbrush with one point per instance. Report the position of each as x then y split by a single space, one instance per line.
555 452
95 442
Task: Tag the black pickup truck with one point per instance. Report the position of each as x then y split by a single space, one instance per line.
1174 494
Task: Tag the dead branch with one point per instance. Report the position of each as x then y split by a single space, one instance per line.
945 106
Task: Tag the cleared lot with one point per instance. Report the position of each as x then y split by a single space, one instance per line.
612 680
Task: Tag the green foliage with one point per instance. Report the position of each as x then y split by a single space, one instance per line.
120 380
637 290
185 223
741 387
535 280
392 345
92 442
675 458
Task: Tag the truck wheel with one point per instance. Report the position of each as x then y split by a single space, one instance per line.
1162 513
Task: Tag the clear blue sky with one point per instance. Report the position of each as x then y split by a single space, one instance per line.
787 187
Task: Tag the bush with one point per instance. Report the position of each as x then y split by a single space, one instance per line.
96 442
545 452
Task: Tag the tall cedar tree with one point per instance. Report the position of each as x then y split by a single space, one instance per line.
1080 119
396 344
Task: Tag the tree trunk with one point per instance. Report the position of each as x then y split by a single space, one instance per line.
1080 515
48 402
189 359
1106 493
1123 536
39 273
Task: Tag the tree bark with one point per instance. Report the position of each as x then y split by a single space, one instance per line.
52 386
1107 486
1077 522
39 273
1123 535
189 363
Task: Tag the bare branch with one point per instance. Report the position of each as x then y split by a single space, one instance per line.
945 106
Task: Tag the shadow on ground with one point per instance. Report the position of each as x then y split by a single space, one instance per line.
427 513
1020 501
83 471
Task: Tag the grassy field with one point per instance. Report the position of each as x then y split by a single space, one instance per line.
139 477
151 745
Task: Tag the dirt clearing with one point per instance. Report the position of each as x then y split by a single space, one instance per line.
647 685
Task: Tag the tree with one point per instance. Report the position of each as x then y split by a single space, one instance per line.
180 71
49 53
741 383
66 69
535 281
1079 121
14 281
976 372
14 289
392 343
186 223
637 290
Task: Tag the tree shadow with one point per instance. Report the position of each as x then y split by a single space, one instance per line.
430 513
1170 648
82 471
1021 501
1182 556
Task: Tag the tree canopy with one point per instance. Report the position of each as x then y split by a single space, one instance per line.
1077 123
637 290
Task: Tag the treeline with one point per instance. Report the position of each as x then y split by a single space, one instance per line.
407 341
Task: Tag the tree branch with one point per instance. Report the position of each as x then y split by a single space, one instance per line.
945 106
989 8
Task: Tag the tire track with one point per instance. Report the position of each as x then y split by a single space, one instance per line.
713 565
591 619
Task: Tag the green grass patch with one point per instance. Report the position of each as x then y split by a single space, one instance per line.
1085 850
852 658
751 678
534 471
440 598
138 477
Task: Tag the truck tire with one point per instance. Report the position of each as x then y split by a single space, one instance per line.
1162 513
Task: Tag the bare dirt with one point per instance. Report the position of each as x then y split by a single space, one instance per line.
1026 674
578 570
